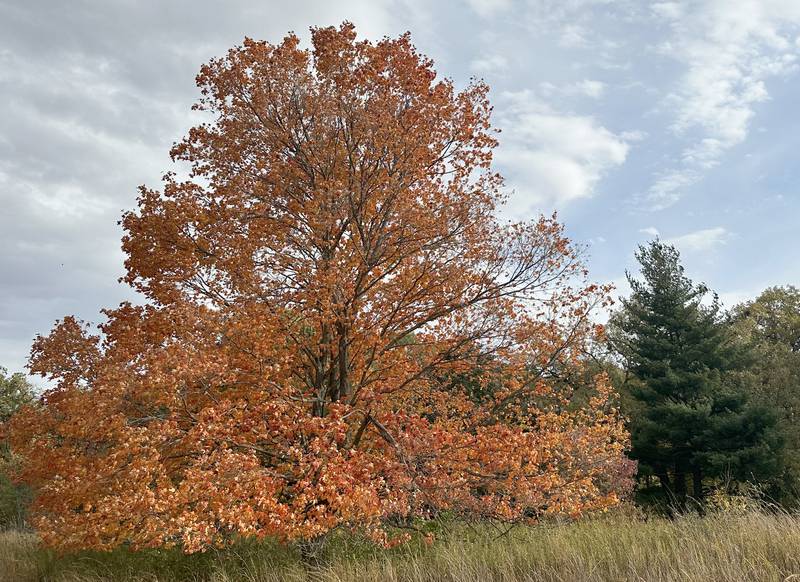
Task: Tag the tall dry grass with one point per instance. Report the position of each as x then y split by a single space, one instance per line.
748 547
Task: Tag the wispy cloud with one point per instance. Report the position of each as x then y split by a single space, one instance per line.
489 64
486 8
700 240
729 51
585 87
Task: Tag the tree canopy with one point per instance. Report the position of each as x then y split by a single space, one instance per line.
16 392
318 290
769 328
688 416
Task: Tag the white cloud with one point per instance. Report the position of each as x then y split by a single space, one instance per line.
586 87
551 157
590 88
669 187
669 10
729 51
573 35
486 8
576 24
650 230
700 240
489 64
634 135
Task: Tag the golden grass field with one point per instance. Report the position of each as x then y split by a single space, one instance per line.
752 547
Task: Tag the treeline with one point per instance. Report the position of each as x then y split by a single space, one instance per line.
711 396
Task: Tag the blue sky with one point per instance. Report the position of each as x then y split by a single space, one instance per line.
631 118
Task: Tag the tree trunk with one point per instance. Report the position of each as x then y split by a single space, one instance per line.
343 389
697 484
323 369
663 478
669 494
680 486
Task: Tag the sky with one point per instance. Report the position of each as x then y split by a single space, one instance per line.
632 119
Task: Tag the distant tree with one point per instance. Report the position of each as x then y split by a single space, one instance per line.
769 327
772 318
15 392
687 417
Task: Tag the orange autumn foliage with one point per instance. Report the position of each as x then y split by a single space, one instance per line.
340 331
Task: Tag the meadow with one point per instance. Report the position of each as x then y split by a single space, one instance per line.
751 546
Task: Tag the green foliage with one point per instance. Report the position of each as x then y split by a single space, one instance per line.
689 414
772 319
15 392
769 327
14 500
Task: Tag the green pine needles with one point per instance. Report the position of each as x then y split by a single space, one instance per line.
690 416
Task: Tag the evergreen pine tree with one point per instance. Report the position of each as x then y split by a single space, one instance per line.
686 419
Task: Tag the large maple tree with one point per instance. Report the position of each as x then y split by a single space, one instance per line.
339 330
